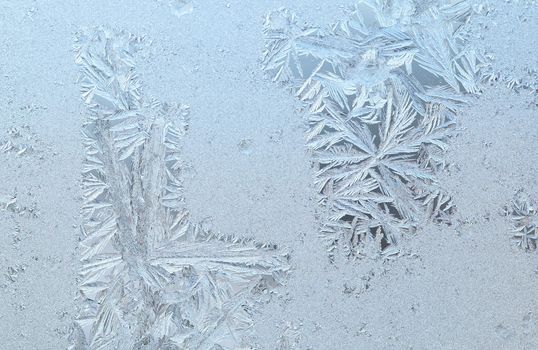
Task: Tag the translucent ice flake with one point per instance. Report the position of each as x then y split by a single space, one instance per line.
382 89
180 8
150 277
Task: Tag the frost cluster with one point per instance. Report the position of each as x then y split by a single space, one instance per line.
151 278
382 88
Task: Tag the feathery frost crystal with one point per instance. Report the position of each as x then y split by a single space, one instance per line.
382 87
150 277
524 217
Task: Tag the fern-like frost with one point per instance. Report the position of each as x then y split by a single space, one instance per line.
150 277
523 213
382 90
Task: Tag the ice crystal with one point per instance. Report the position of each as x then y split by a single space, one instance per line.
528 82
382 90
7 201
290 337
19 140
524 217
151 278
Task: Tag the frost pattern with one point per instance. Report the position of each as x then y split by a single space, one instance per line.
524 217
382 90
20 141
150 277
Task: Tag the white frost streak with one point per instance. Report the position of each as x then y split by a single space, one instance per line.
382 89
150 277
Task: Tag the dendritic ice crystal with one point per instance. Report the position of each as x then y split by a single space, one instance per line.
524 217
382 87
150 277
